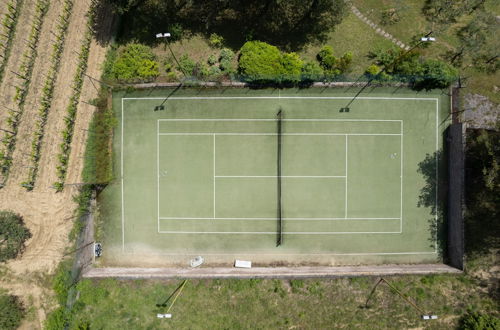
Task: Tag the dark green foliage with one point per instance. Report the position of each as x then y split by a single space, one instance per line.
311 71
135 62
399 65
479 43
98 167
478 321
448 11
262 63
289 24
13 234
331 64
56 320
186 65
483 191
11 312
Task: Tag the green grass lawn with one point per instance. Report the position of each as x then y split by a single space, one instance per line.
280 304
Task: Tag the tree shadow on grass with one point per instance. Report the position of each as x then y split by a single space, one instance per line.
287 24
433 197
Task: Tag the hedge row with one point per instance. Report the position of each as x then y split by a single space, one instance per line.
67 133
9 23
48 92
25 71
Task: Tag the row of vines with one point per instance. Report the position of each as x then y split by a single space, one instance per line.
9 23
25 71
71 110
48 92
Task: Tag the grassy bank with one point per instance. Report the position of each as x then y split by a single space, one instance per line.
281 304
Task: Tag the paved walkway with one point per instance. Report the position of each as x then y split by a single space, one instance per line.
270 272
377 29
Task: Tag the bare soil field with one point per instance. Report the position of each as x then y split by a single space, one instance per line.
47 214
19 170
19 45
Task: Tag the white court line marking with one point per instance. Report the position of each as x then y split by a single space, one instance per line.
283 176
401 179
306 134
273 219
274 233
158 170
281 97
292 97
293 254
214 176
122 188
346 154
273 120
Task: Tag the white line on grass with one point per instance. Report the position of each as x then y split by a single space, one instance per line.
274 233
158 170
274 219
276 97
346 154
283 176
122 188
305 134
401 179
214 174
273 120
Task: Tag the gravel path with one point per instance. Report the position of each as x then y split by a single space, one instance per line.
377 28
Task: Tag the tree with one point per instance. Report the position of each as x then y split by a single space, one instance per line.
479 42
291 67
434 74
331 64
260 62
135 62
448 11
289 24
479 321
11 312
13 234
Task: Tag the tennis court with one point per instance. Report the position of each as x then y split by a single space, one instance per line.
219 173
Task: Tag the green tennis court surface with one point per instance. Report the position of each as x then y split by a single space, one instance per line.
201 176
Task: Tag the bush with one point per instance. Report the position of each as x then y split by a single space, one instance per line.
311 71
262 63
186 65
331 64
11 312
478 321
216 40
135 62
212 60
13 234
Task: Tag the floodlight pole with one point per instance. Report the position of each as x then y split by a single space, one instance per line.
166 36
425 38
422 313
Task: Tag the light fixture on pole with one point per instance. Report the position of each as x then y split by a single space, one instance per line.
167 35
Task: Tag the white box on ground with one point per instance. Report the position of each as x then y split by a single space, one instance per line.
164 316
242 264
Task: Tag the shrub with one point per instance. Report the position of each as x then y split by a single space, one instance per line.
212 60
389 16
259 61
216 40
13 234
311 71
478 321
186 65
135 62
331 64
11 312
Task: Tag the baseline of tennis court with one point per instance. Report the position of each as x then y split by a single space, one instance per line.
204 175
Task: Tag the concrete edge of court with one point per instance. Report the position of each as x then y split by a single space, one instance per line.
240 84
268 272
